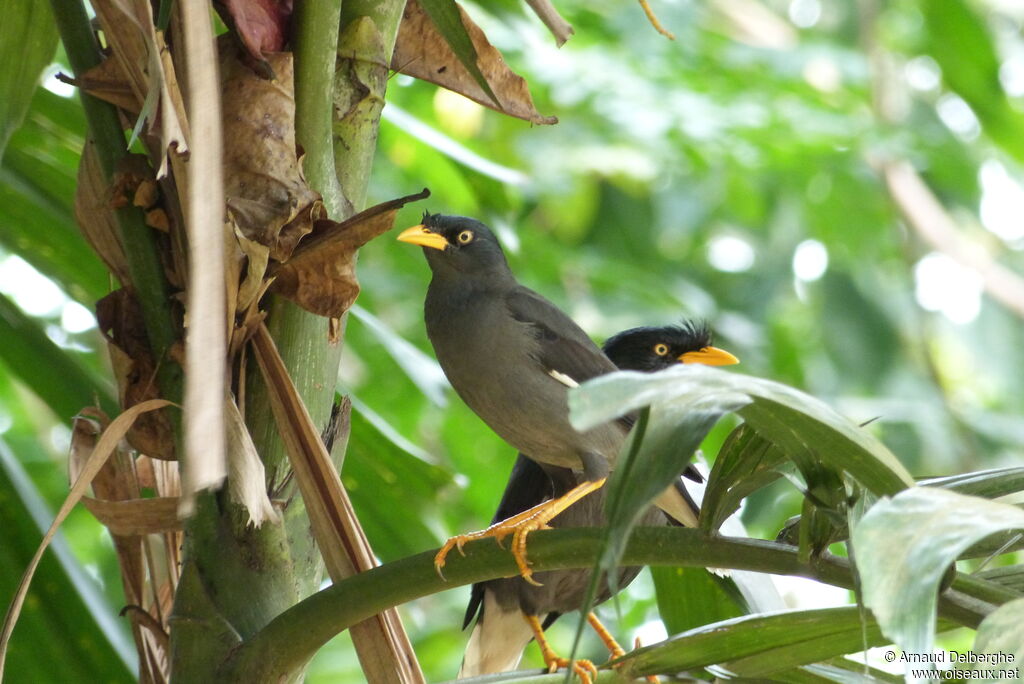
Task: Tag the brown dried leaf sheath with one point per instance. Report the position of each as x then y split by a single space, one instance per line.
108 82
423 53
266 193
95 216
321 277
137 46
129 517
120 320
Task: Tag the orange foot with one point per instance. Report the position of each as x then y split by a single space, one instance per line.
519 526
653 679
611 644
584 669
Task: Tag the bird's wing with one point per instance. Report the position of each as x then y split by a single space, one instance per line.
564 347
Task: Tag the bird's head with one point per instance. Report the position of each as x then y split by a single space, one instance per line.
457 243
652 349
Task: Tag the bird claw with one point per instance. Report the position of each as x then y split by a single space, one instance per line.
440 558
584 669
519 526
653 679
519 553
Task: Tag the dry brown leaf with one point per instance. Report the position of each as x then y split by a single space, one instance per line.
107 81
234 261
116 481
422 52
104 447
206 335
250 320
95 216
160 476
157 218
380 640
120 320
266 193
136 516
153 629
257 257
136 45
247 482
320 277
261 25
133 173
147 194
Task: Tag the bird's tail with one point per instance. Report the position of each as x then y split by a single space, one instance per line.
680 506
676 502
497 642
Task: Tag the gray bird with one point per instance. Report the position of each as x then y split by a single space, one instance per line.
512 356
510 611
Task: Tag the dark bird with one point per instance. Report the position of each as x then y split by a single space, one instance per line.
510 611
512 356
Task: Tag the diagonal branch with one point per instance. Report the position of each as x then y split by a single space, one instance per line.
926 215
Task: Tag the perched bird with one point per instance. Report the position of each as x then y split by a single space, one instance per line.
510 611
512 356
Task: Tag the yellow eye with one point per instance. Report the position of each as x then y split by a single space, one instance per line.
465 237
661 349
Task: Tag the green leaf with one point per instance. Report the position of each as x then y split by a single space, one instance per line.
840 670
686 401
904 546
67 632
691 597
446 16
37 191
745 463
758 645
795 422
998 543
1011 577
801 424
28 39
657 450
54 374
392 485
989 484
422 369
963 47
46 236
1000 635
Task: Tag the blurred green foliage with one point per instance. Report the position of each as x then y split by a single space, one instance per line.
681 181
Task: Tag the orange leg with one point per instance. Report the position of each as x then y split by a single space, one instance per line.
584 669
609 641
653 679
611 644
519 526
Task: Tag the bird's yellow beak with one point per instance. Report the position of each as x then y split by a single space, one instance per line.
423 236
710 356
